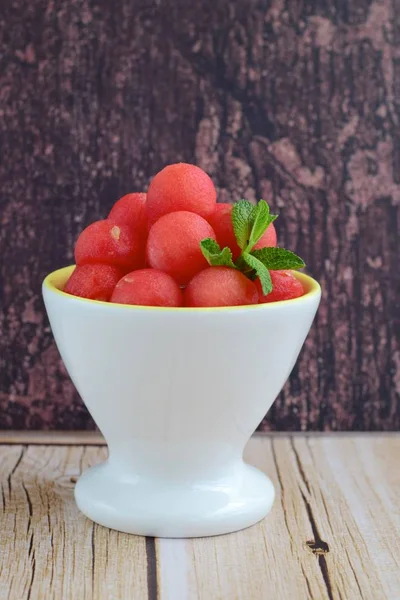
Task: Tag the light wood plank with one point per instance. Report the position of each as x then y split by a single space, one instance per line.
315 543
367 473
58 438
47 548
266 561
333 532
95 438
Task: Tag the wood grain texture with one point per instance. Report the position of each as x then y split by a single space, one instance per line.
295 102
49 438
333 533
49 550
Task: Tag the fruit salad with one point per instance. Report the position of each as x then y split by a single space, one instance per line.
176 246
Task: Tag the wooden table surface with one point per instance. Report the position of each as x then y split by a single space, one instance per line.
333 532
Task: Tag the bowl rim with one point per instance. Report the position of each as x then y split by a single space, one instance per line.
56 279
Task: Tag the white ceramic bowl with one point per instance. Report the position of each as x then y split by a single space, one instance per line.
177 393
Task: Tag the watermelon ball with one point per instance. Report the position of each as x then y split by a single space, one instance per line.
285 286
220 286
147 287
180 187
130 210
221 222
107 243
221 207
268 239
96 282
173 245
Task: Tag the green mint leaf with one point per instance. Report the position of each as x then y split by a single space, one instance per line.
277 259
261 220
242 221
215 256
260 270
250 222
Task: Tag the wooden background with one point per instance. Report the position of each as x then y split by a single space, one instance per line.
297 102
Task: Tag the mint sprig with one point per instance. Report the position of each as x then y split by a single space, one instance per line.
242 219
270 259
249 224
258 269
277 259
215 255
262 220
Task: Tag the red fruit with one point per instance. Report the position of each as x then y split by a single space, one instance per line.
147 287
221 207
96 282
106 243
285 286
180 187
268 238
221 222
130 210
220 286
173 245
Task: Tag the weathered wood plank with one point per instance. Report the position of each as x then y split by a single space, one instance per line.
48 549
57 438
316 543
95 438
368 477
333 532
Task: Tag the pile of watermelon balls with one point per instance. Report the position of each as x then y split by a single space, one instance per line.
176 246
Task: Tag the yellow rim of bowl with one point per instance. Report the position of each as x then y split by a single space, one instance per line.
55 281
